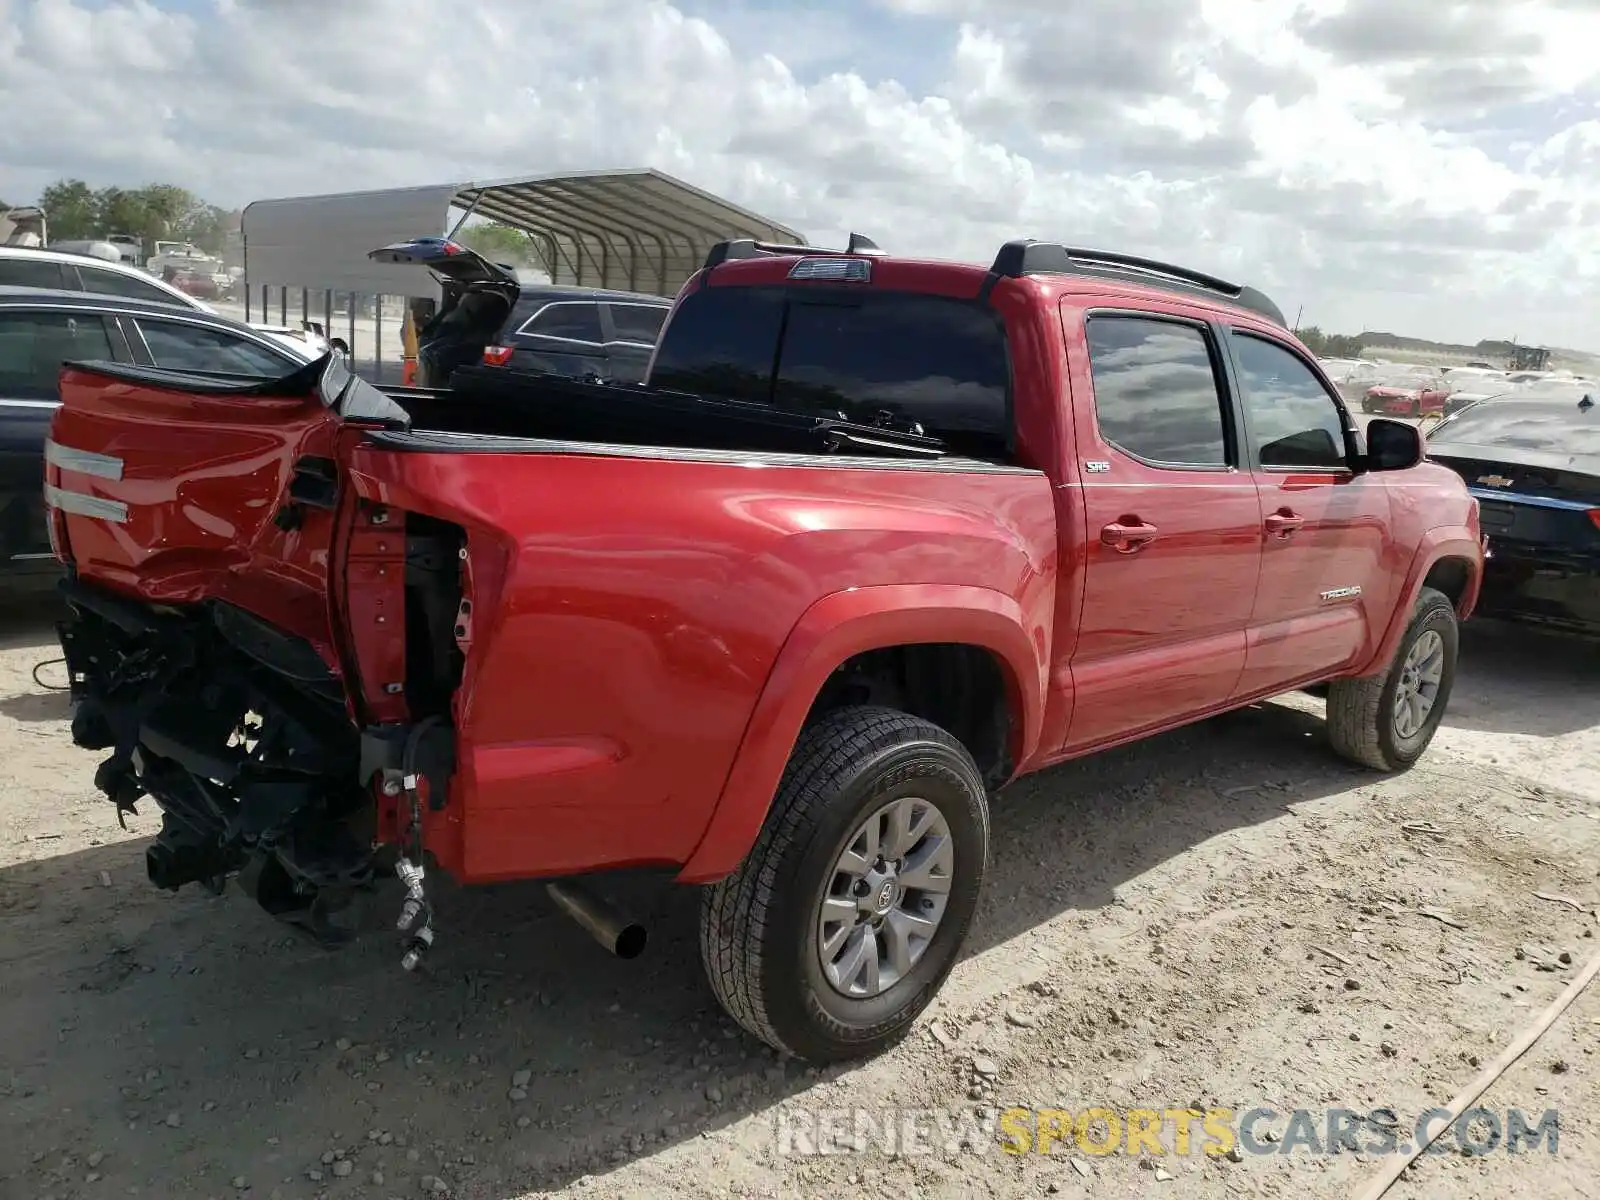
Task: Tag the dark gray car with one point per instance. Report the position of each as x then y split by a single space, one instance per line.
41 329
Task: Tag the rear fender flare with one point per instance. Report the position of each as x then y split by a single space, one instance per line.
1445 541
833 630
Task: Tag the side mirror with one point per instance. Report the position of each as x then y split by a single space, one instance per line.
1392 445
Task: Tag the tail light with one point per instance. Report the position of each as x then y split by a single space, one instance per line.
1594 517
496 356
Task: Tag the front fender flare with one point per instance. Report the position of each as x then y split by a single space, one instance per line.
1438 544
833 630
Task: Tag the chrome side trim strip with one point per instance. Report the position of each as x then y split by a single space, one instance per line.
85 462
84 505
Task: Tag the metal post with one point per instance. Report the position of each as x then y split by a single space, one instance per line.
377 338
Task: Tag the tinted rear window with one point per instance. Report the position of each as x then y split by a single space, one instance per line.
1526 425
722 341
932 359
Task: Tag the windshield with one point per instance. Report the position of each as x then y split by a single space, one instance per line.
1550 428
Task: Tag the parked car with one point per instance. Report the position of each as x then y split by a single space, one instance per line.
488 316
1468 384
202 285
53 270
1532 459
41 329
1408 392
923 528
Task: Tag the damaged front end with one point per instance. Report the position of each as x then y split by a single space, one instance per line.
239 732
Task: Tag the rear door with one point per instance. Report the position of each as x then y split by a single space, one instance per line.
1324 529
1172 524
449 259
631 331
33 345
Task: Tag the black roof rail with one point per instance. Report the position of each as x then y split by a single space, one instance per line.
741 248
1028 257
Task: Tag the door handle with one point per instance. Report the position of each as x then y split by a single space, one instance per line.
1283 523
1127 535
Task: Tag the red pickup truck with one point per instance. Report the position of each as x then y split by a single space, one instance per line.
876 537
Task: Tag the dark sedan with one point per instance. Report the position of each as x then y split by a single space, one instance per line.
41 329
1534 465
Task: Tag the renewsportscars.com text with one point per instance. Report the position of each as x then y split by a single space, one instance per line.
1179 1131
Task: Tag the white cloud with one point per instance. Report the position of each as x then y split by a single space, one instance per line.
1427 166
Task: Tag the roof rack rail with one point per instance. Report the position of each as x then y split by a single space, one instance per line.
741 248
1028 257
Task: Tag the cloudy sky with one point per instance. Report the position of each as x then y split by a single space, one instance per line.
1424 166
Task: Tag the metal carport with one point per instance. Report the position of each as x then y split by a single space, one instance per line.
636 230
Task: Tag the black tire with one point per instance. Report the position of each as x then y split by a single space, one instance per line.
1361 719
758 927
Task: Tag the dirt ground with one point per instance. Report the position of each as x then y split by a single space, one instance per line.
1226 916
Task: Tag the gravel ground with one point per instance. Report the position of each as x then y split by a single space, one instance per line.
1225 916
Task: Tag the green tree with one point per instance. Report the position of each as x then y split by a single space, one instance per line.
1329 345
72 210
155 212
500 243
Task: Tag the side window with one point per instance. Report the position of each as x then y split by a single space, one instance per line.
110 283
1155 391
33 345
1293 420
569 322
183 347
638 322
33 273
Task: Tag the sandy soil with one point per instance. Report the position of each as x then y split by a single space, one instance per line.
1226 915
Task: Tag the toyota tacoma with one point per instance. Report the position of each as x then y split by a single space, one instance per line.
875 537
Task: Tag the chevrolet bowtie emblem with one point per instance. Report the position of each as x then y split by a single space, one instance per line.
1497 481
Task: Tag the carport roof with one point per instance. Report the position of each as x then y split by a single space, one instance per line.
636 230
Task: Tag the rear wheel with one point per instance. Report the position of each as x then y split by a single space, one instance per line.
1386 721
849 912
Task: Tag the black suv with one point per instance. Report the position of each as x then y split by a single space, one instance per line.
488 317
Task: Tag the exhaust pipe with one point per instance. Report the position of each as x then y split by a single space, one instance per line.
623 937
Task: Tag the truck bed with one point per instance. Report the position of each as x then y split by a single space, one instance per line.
497 403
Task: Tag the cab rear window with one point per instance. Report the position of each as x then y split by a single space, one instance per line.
939 361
